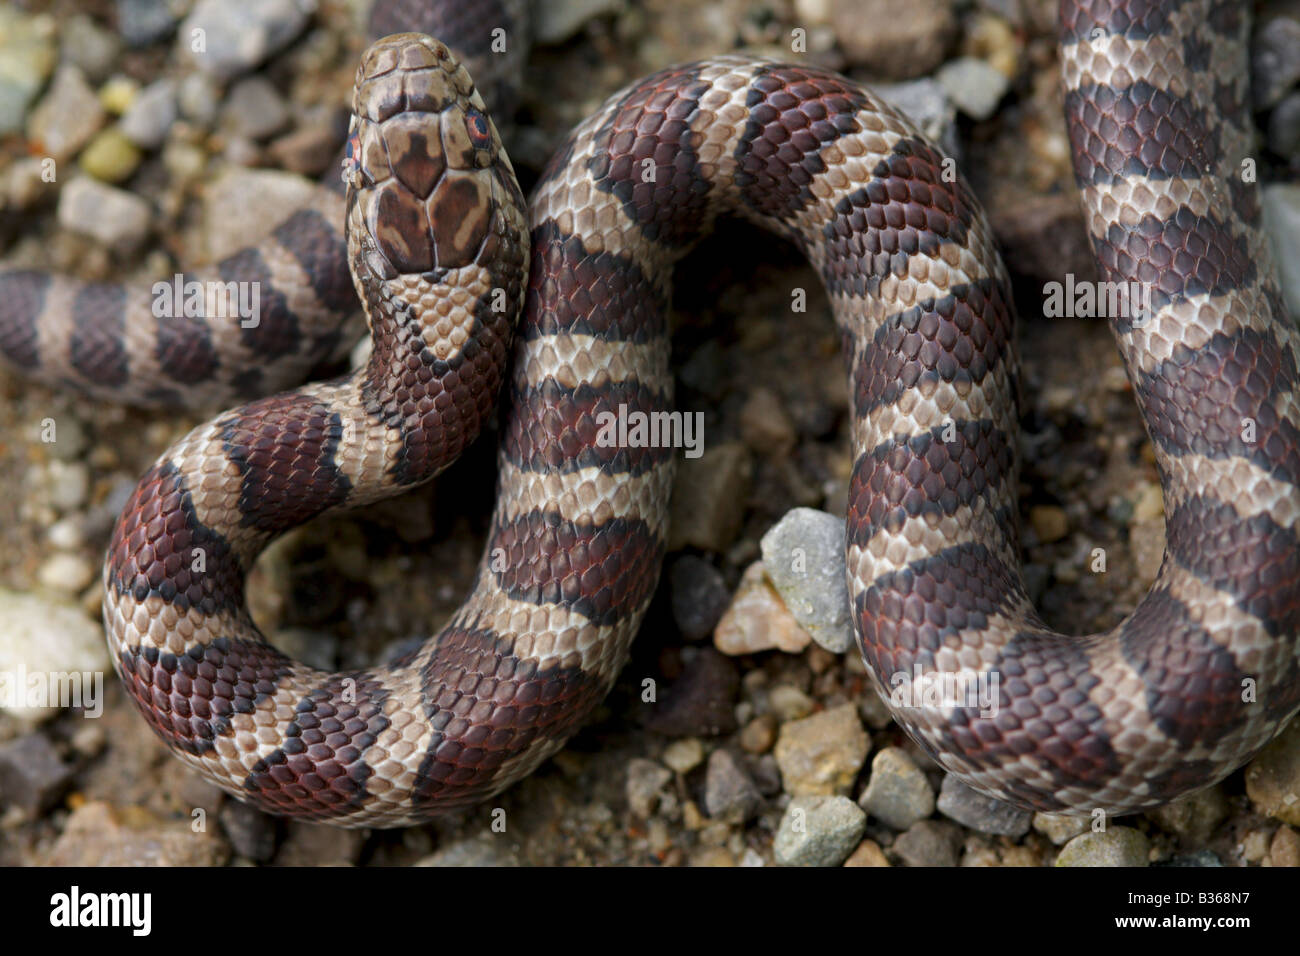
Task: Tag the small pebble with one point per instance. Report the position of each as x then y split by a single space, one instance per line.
151 114
822 754
558 20
1058 827
240 37
646 780
789 703
111 216
1195 817
315 844
85 45
974 85
765 424
803 555
818 831
68 484
50 638
198 98
1284 850
758 619
1049 523
699 596
868 853
699 702
759 735
118 94
1273 777
973 809
1275 60
1114 846
110 157
68 115
683 756
729 792
250 831
27 55
897 793
1281 205
254 109
928 843
66 573
32 775
709 495
142 22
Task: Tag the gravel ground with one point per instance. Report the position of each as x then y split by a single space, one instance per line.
755 726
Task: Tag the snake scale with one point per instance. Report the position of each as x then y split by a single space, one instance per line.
444 254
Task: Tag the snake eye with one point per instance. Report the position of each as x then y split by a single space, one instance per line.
480 132
352 155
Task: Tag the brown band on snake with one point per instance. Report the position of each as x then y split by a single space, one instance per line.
1118 721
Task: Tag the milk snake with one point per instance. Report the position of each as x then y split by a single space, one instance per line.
1184 690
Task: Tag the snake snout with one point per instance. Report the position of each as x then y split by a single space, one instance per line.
422 155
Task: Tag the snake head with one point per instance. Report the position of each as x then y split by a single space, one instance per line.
424 168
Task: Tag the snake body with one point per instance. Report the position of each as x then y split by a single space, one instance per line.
1184 690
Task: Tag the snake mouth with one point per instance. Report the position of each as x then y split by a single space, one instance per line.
423 156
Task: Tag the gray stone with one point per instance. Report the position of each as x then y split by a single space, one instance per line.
973 809
729 791
1058 827
142 22
67 116
699 702
822 754
254 109
1284 126
313 844
1199 858
896 39
85 45
557 20
95 835
973 85
1114 846
111 216
1275 60
709 497
699 596
646 780
803 555
32 775
819 831
898 793
926 104
53 641
1273 777
150 115
242 36
199 97
484 849
928 843
250 831
1194 817
27 55
1282 223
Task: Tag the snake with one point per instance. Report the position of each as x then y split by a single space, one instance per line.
561 304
